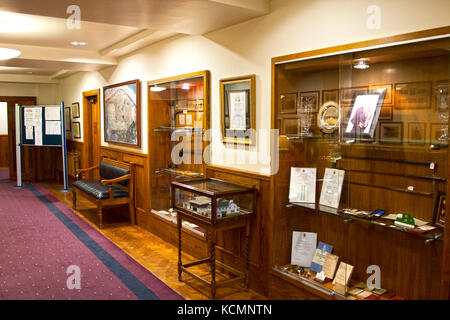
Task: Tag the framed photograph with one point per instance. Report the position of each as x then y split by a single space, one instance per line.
121 105
330 96
68 119
389 93
309 101
363 115
346 94
413 95
440 209
435 132
417 132
387 112
237 97
76 130
76 110
391 132
288 103
290 126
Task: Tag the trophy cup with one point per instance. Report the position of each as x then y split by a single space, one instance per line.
442 104
306 115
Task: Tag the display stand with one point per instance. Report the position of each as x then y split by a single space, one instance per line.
40 126
214 190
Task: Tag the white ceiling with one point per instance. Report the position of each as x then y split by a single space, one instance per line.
110 28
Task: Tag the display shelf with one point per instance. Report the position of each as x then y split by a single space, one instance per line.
173 219
431 236
309 284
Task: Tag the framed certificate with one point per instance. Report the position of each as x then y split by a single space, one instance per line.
237 97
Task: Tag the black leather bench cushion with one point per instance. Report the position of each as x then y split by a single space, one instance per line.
108 171
98 190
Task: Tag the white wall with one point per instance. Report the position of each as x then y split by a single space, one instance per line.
292 26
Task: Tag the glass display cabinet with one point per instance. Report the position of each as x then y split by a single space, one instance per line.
178 117
214 205
360 196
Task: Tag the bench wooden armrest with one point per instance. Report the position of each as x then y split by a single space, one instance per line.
110 181
82 171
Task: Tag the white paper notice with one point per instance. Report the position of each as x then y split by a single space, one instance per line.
29 118
38 135
237 102
181 119
332 187
52 127
29 132
304 246
52 113
302 187
189 119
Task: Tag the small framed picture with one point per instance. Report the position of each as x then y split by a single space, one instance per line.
67 119
387 112
290 126
288 103
417 132
440 209
413 95
76 130
76 110
346 94
330 96
389 93
391 132
309 101
435 132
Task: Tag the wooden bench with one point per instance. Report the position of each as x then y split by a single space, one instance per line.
115 187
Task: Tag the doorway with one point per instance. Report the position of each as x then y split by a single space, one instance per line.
91 129
29 158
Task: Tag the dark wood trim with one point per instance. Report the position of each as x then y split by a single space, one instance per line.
87 137
240 172
133 153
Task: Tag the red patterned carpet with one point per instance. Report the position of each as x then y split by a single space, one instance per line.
41 238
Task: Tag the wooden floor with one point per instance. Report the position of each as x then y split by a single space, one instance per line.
153 253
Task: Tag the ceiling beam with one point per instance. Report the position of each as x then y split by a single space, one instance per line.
262 6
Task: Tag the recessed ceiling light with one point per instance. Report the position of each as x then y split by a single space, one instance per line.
362 65
6 53
185 86
78 43
157 89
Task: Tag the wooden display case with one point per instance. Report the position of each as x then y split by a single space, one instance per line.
214 205
401 168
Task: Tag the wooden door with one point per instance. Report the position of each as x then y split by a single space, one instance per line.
29 163
91 128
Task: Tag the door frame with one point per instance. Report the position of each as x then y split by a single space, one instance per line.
87 128
11 101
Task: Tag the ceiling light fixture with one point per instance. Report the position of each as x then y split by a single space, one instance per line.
361 65
157 89
78 43
6 53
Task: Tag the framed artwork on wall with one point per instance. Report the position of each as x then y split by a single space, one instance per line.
346 94
330 96
121 106
288 103
391 132
417 132
76 130
290 127
440 209
238 106
389 93
413 95
309 101
68 119
76 110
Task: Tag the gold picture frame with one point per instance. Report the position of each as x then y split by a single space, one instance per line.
413 95
238 109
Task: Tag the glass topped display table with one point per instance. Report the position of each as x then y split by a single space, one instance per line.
213 205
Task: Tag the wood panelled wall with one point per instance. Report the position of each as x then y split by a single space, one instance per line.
4 154
230 243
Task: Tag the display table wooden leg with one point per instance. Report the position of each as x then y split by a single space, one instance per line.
247 236
100 216
74 200
180 263
212 260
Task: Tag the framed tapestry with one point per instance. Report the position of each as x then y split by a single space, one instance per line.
121 106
